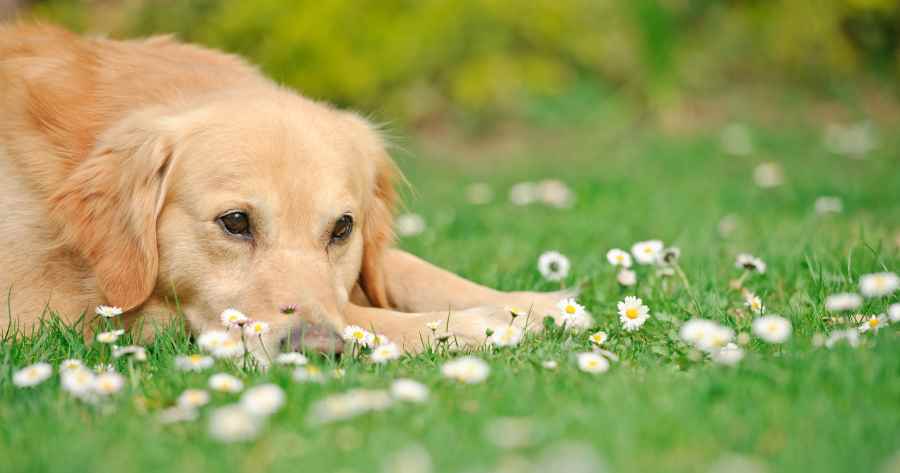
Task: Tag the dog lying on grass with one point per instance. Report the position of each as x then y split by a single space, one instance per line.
165 178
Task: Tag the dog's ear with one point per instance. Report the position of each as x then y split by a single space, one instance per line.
378 229
108 206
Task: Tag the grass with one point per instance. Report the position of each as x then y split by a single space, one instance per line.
783 408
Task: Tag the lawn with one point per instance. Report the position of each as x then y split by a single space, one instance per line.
663 406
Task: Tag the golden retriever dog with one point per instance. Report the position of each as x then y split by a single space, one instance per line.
170 179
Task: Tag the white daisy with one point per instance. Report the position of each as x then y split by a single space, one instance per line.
309 373
108 312
78 382
233 318
827 205
647 252
193 362
256 329
468 369
233 424
108 383
555 193
878 284
506 336
110 337
263 400
550 364
598 338
668 257
768 175
572 315
409 390
434 325
772 328
523 193
228 348
349 404
750 263
409 225
135 351
193 398
894 312
358 335
211 339
70 364
843 301
553 266
592 363
633 313
728 355
385 353
32 375
617 257
754 303
225 383
293 358
715 338
873 324
627 277
695 330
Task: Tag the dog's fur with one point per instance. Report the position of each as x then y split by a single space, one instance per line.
117 158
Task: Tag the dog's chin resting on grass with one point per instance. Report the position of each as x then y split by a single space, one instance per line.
166 178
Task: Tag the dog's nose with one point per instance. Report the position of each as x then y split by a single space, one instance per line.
314 337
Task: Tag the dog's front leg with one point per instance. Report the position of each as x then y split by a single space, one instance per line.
415 331
414 285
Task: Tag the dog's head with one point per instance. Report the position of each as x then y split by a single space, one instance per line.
270 204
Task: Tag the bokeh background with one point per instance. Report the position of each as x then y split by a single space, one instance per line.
480 70
720 127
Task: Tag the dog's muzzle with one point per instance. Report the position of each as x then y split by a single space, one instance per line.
313 337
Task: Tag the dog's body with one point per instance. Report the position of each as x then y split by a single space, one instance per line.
127 167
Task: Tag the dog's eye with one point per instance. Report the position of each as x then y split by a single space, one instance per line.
236 223
342 229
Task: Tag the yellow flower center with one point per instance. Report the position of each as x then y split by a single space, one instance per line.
631 313
358 335
873 323
196 358
570 309
591 363
620 258
648 250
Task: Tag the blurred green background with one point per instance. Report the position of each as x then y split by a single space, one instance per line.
481 66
